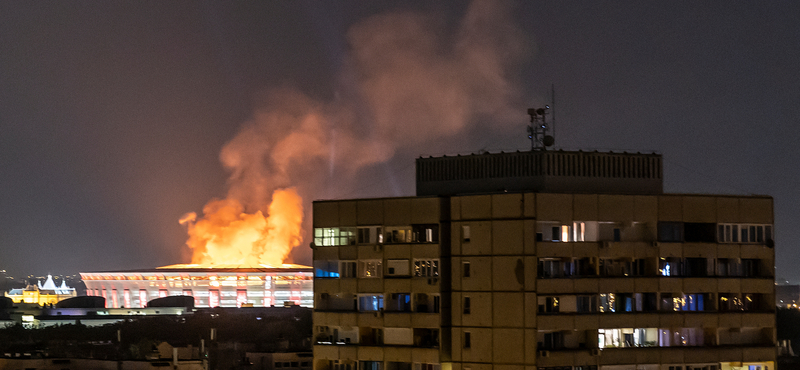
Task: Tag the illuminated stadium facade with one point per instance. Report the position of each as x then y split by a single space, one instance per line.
210 287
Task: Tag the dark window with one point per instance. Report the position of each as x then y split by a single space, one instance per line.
695 267
466 270
699 232
467 340
670 232
617 235
587 303
750 267
467 305
556 233
649 302
552 340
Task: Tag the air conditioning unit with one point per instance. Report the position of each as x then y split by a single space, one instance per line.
378 247
605 244
433 281
595 352
324 295
544 353
655 244
379 313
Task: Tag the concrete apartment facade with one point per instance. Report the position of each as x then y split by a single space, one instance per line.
544 279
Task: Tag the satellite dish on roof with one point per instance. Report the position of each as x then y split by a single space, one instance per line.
548 140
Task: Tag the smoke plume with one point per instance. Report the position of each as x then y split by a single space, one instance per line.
411 81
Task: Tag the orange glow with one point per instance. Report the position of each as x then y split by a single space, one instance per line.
226 235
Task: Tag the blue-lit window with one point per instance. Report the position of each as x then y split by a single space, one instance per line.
370 303
326 269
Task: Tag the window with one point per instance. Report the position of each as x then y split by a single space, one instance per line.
399 302
608 302
347 269
465 269
334 236
552 340
670 232
428 233
126 298
699 232
370 268
695 267
399 234
744 233
426 268
669 266
548 304
646 302
751 267
555 267
586 303
424 366
729 267
467 306
142 298
426 338
465 234
370 235
467 339
627 337
370 302
552 231
578 231
427 303
370 365
326 269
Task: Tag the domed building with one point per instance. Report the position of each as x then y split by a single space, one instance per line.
45 294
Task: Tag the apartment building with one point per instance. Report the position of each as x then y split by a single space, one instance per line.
544 260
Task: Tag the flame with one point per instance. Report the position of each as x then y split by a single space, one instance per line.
226 235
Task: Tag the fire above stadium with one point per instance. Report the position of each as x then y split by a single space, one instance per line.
228 236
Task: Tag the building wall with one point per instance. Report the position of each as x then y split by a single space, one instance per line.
649 258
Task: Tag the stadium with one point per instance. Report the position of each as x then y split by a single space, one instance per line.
220 286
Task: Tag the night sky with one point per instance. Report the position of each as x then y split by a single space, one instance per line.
114 115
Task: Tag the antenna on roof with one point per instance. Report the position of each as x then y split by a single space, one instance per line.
537 130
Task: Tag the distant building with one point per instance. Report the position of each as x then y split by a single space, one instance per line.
46 294
787 296
210 287
545 259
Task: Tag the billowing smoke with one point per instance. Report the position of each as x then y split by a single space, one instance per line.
412 81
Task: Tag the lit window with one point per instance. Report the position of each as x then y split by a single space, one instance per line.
370 268
370 303
126 298
241 297
426 267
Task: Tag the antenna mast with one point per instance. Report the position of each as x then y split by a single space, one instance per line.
537 130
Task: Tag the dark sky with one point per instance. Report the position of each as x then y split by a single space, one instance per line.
113 114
